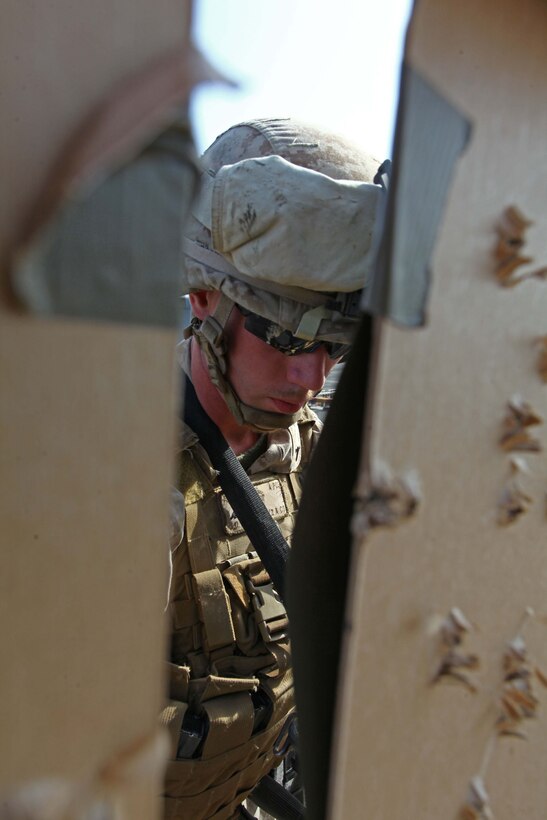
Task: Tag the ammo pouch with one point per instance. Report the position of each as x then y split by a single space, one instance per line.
259 617
231 679
229 707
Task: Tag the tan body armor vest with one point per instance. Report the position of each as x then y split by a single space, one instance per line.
231 676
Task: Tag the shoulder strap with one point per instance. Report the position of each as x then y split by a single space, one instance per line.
255 519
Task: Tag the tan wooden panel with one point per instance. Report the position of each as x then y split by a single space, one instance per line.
87 425
405 748
87 431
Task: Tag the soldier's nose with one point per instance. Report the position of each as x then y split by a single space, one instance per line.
309 370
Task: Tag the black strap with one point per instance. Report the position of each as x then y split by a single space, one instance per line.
273 798
255 519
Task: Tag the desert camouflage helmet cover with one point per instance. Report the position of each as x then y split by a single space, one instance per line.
284 225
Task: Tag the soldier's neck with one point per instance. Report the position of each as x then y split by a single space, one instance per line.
239 437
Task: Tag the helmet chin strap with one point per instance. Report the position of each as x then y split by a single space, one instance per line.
209 335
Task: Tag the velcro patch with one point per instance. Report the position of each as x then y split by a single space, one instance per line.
271 494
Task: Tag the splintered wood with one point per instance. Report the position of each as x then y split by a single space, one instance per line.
518 700
507 252
455 664
386 500
477 805
514 501
516 437
515 433
541 343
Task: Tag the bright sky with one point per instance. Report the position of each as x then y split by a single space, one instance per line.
335 64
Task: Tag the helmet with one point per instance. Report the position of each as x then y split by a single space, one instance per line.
282 228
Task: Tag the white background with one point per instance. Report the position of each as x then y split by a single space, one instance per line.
335 64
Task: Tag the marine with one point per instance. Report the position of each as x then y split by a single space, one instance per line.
277 252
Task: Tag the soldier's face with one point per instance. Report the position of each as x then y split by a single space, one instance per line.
265 378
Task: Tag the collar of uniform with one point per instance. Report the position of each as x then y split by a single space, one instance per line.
283 452
183 354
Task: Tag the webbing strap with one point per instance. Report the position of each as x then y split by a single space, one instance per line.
200 550
185 613
241 665
282 655
231 720
171 717
213 686
208 257
255 519
310 322
215 609
178 677
276 800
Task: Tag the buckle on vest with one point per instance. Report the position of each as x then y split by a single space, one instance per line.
270 614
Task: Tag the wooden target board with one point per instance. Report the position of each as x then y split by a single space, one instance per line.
443 707
87 430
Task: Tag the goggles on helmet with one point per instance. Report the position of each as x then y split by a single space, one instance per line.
285 341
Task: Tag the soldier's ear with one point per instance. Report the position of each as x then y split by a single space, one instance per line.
204 302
